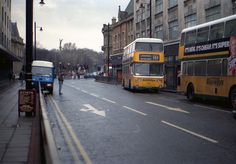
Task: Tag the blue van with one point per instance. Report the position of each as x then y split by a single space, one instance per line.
43 72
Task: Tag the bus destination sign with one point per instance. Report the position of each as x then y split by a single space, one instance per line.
148 57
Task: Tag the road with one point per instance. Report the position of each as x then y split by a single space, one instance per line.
105 124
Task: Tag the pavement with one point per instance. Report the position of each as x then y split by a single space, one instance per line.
19 136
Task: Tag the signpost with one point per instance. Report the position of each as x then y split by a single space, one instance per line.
27 101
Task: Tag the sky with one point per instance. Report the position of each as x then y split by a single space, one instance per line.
76 21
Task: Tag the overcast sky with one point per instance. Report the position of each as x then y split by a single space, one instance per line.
76 21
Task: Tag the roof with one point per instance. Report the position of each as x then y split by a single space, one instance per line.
130 8
128 11
14 29
41 63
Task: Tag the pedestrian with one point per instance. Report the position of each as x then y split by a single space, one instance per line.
60 81
21 78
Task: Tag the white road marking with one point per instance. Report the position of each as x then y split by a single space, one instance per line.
92 94
211 108
190 132
109 100
169 108
84 91
72 134
91 109
144 114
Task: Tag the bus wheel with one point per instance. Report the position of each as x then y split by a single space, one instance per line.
190 92
233 101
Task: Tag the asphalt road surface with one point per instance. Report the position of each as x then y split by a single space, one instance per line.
105 124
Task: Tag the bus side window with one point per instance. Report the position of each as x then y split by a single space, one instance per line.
182 39
184 70
190 37
230 29
217 31
190 68
224 67
200 68
202 34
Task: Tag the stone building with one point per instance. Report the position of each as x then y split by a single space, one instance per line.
170 17
107 45
122 35
6 56
17 47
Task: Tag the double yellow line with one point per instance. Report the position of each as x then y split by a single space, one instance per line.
69 134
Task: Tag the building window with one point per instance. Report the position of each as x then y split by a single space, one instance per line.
143 34
137 35
234 7
213 13
159 6
172 3
173 30
159 32
191 20
2 14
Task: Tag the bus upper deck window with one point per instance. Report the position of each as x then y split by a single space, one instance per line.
230 29
202 34
190 37
217 31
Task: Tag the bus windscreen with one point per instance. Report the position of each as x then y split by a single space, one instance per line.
148 69
150 47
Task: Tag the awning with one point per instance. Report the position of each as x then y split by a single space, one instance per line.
7 54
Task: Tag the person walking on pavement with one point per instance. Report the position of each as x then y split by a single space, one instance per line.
60 81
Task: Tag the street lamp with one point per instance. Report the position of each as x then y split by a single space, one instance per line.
150 23
41 2
35 46
29 42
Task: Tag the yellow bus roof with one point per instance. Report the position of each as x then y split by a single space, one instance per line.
146 40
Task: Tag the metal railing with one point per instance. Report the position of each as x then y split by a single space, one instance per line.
49 145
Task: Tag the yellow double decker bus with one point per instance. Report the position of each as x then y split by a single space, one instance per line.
208 60
143 64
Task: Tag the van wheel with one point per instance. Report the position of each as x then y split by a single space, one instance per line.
51 91
190 92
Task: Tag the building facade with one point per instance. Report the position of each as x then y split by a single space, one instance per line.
17 47
107 46
122 35
170 17
6 56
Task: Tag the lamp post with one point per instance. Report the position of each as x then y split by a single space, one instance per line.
150 23
29 42
35 46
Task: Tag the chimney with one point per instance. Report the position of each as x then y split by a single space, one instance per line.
113 20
